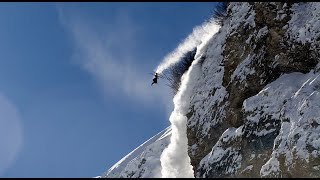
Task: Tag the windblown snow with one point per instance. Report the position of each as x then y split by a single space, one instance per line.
175 161
199 35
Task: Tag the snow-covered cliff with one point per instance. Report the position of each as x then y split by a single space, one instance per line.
253 108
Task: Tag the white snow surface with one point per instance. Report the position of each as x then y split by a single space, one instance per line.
218 152
301 94
130 165
240 10
304 25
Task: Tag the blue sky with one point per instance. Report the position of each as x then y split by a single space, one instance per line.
75 94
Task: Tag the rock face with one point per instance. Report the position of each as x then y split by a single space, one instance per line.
243 127
255 109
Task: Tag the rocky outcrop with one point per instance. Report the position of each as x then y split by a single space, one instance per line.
259 43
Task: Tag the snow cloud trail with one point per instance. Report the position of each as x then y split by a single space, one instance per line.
175 161
200 34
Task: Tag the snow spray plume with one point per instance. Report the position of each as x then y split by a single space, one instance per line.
199 34
175 161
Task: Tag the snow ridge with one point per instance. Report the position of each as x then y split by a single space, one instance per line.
150 150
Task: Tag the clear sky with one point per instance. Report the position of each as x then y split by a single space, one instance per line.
75 94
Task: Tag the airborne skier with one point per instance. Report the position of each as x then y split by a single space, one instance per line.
155 79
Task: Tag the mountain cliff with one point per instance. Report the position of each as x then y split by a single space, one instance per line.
254 101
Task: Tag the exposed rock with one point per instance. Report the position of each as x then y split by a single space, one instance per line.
258 49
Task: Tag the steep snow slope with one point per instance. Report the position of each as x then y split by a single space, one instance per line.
144 161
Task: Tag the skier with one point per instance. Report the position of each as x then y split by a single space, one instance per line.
155 79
